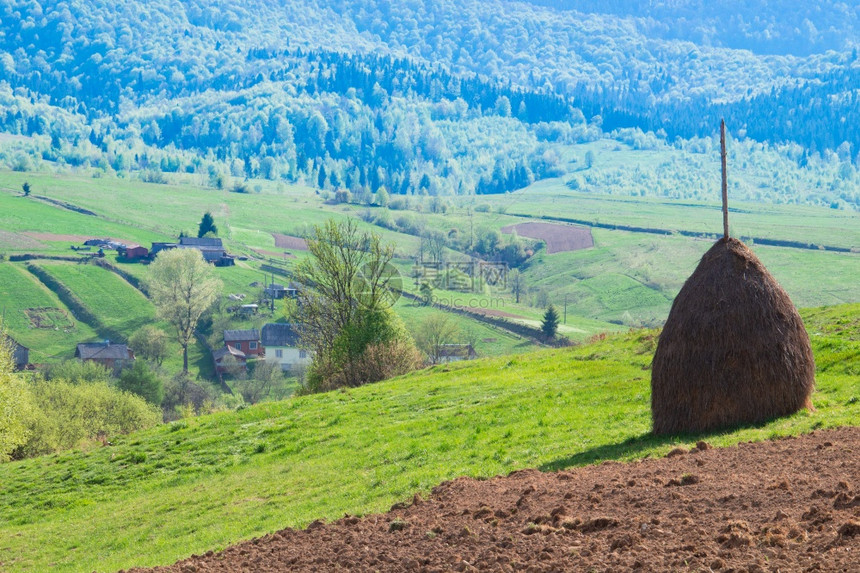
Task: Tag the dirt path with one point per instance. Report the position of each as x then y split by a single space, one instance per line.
787 505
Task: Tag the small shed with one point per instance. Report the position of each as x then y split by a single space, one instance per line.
276 291
158 247
20 354
248 309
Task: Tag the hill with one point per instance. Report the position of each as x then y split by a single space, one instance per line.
453 98
643 250
203 483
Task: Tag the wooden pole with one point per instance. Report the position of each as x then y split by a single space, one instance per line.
725 179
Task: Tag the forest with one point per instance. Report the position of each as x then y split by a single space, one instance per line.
450 98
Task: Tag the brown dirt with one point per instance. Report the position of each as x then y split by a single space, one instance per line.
558 238
786 505
289 242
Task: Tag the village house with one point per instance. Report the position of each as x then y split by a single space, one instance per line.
114 357
245 341
282 346
133 252
227 359
211 248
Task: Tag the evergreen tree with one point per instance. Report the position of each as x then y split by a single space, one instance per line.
549 326
207 225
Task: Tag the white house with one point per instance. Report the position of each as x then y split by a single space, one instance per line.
281 342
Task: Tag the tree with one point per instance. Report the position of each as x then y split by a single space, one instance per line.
26 188
346 312
426 290
266 381
382 197
434 333
14 402
150 342
549 326
207 226
518 285
182 287
140 380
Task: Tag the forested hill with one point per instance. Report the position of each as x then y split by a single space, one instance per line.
441 97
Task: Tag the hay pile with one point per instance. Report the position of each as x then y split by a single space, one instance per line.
733 350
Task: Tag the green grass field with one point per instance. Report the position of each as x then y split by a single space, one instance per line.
121 308
26 303
627 279
207 482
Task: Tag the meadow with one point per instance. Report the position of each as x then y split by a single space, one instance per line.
203 483
121 309
20 291
627 279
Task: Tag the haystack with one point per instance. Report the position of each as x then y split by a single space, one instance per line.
733 350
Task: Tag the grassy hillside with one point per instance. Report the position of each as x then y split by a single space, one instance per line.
120 308
627 280
203 483
36 317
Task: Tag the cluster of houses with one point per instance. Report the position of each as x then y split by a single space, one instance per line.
212 249
277 343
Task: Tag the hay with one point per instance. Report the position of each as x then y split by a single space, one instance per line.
733 350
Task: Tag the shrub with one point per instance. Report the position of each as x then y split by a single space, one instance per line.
142 381
77 372
150 342
15 408
68 415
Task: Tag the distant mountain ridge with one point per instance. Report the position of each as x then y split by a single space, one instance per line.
443 97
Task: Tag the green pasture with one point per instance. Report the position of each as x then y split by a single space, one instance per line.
488 340
167 210
207 482
20 294
19 215
806 224
120 307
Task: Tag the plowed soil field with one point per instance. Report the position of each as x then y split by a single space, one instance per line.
787 505
289 242
558 237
